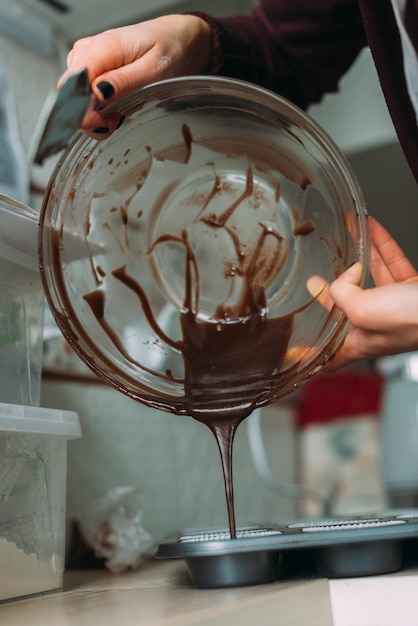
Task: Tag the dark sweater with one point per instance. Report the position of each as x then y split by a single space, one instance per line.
301 48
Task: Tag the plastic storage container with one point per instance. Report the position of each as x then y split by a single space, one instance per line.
400 425
21 305
33 475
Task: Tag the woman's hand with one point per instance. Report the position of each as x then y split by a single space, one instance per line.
123 59
384 319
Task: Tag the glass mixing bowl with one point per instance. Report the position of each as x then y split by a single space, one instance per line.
199 222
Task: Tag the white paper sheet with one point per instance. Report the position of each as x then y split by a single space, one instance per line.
375 601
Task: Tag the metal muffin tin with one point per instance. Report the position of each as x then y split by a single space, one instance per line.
335 548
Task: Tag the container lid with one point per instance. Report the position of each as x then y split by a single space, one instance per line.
34 419
18 233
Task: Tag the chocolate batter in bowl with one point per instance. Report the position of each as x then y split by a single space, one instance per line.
202 219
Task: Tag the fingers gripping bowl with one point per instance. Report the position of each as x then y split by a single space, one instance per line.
201 220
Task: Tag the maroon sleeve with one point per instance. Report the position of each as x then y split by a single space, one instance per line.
298 48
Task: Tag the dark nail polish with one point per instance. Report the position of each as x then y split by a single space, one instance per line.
101 130
121 120
106 89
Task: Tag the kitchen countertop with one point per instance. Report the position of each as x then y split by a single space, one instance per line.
159 592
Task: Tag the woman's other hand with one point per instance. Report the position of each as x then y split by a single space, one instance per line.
384 319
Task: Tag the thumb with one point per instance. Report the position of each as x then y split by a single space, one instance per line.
349 279
363 307
345 288
337 292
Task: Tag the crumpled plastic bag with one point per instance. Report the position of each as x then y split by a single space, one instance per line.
112 527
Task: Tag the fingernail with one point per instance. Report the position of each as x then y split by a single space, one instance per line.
101 130
121 120
106 89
